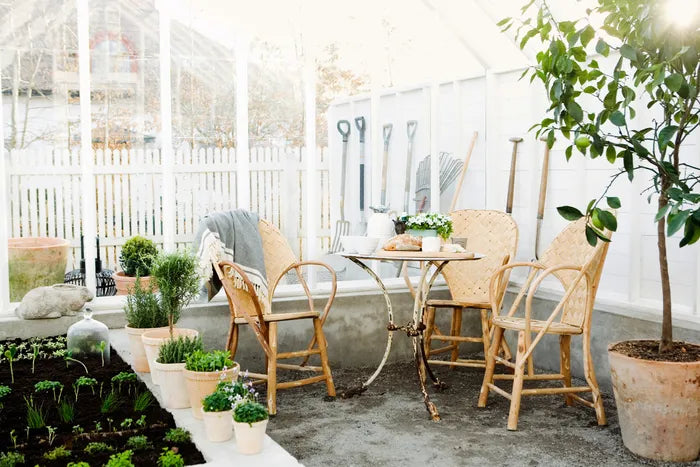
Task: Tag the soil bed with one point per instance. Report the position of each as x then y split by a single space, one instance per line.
90 423
683 352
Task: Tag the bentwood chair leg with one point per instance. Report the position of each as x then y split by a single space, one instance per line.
456 331
589 374
232 343
323 347
565 365
485 334
272 370
429 328
517 383
490 366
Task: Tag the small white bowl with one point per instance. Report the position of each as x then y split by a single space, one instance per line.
366 245
348 243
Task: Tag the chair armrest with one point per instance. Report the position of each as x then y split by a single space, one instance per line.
296 266
497 284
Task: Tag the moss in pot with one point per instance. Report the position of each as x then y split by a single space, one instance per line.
143 313
169 365
203 371
136 259
250 422
217 412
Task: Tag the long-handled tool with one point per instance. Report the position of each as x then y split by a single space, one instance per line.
511 180
360 125
411 126
342 227
386 132
467 158
543 196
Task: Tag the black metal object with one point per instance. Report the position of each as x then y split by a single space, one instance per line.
104 282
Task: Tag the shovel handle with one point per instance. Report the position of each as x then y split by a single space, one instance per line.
411 126
360 125
386 132
543 183
511 179
343 127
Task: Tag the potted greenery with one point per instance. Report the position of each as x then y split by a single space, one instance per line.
177 279
136 258
203 371
143 313
429 225
593 105
169 366
217 413
249 423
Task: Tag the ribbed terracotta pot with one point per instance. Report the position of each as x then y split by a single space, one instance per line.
658 405
124 284
202 383
138 353
152 340
34 262
172 384
250 438
218 425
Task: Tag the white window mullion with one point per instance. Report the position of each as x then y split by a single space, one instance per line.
4 221
434 149
242 145
166 132
313 206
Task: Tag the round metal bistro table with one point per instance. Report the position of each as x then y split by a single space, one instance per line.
413 329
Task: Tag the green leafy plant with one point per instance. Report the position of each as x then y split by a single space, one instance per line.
143 309
216 402
36 416
98 427
68 357
77 430
122 459
4 391
51 436
178 281
138 443
170 458
10 354
143 401
60 452
35 354
594 108
84 381
431 221
137 256
45 386
126 423
250 412
216 360
125 377
13 438
97 447
141 422
11 459
110 403
177 350
237 392
66 412
78 464
177 436
101 347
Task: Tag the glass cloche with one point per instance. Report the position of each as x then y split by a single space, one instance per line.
88 338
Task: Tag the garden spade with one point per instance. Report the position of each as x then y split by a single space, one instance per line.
511 181
543 196
386 133
342 227
411 132
360 125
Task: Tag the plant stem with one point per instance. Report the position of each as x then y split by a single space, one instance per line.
666 324
12 373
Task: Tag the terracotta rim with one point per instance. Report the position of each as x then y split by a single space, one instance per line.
177 332
208 375
168 367
30 243
658 362
230 411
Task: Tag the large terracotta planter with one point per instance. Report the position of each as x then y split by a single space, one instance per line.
658 405
138 353
124 283
250 438
202 383
152 340
218 425
35 262
172 384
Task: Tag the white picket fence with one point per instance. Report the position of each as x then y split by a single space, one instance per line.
45 194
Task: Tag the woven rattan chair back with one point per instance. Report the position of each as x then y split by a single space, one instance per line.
571 247
491 233
278 254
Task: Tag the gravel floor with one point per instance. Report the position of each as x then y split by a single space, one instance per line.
388 425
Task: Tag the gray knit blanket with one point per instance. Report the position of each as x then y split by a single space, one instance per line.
231 236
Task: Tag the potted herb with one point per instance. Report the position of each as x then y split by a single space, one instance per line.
143 313
203 371
429 225
169 366
217 412
136 259
594 105
250 422
177 279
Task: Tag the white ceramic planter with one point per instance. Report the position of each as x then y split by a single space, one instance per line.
138 353
218 425
152 340
249 438
202 383
172 384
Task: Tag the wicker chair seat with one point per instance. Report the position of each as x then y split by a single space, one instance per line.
518 324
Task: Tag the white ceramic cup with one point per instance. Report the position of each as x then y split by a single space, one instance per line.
431 244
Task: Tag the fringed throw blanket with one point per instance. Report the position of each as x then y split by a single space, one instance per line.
231 236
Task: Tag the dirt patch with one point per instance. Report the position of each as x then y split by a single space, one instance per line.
649 350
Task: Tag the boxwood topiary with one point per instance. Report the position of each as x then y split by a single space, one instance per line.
137 256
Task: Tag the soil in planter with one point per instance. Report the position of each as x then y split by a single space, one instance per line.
113 430
649 350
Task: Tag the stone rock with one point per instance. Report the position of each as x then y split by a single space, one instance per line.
53 301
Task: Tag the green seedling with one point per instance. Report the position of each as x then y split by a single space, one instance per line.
10 356
122 459
35 354
124 377
66 412
36 417
177 436
170 458
110 403
58 453
141 422
84 381
45 386
101 347
13 438
126 424
98 426
77 430
143 401
97 447
138 443
68 357
51 435
4 391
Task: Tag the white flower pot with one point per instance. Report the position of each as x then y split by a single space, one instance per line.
249 438
218 425
138 353
152 340
172 384
431 244
202 383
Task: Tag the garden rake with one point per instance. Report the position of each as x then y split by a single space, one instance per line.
342 226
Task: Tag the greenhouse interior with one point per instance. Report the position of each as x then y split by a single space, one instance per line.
312 232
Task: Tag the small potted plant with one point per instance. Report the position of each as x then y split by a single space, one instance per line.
143 313
250 422
136 259
429 225
177 279
169 366
203 371
217 412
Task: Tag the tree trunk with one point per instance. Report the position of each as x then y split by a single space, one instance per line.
666 324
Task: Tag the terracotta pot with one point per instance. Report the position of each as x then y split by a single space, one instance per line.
35 262
125 283
218 425
172 384
250 438
152 340
658 404
138 353
202 383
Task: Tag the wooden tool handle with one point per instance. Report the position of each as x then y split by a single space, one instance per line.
511 179
543 183
467 158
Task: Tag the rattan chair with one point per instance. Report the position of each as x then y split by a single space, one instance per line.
495 235
578 267
248 309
